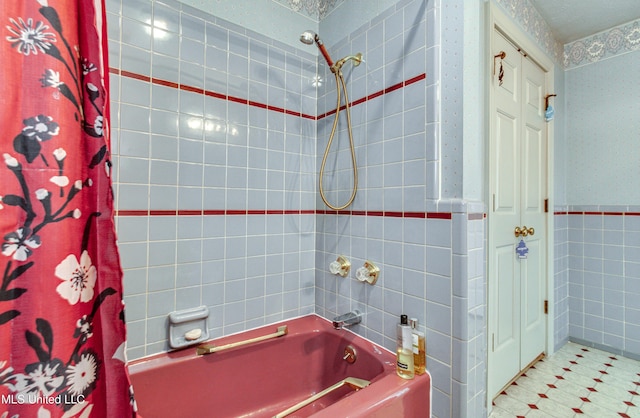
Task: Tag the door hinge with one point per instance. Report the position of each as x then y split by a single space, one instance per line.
493 342
546 205
546 307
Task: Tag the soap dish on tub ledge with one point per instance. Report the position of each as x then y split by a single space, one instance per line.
188 327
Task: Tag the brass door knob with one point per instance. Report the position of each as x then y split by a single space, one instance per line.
524 231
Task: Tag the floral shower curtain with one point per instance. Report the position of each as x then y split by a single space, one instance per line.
62 328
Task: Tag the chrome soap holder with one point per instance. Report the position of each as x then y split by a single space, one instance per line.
341 266
368 273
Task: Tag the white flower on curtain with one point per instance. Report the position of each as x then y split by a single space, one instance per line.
51 78
10 161
78 278
42 194
83 374
16 245
84 329
98 125
60 154
29 38
87 66
61 181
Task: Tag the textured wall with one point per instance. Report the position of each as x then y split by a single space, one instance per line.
602 131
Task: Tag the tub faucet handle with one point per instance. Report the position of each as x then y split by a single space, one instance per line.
341 266
368 273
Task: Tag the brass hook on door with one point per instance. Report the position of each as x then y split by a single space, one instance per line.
502 56
546 100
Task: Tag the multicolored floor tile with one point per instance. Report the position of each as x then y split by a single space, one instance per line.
575 382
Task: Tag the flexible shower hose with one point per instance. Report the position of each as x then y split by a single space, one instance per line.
340 83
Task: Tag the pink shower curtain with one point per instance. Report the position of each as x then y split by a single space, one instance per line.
62 328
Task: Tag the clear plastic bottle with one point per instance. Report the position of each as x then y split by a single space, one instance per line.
404 351
419 346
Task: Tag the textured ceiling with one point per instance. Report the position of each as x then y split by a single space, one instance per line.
316 9
575 19
569 19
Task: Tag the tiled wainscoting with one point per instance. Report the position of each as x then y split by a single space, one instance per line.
599 250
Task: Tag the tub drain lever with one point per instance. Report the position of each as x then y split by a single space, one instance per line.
349 354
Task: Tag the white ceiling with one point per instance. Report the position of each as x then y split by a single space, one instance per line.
575 19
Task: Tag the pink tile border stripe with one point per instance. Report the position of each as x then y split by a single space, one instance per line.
390 89
218 212
596 213
390 214
198 90
213 212
246 212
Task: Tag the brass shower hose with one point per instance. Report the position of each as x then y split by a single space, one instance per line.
341 82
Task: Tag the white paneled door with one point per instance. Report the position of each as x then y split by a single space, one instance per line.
517 215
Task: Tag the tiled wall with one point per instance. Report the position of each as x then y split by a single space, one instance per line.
430 251
387 222
604 277
561 279
214 155
432 268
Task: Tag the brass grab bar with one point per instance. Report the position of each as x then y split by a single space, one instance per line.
353 382
210 348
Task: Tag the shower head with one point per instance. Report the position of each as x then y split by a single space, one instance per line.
308 37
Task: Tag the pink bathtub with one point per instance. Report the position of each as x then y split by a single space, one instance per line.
265 378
